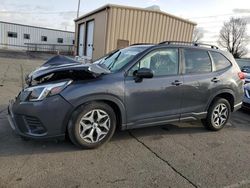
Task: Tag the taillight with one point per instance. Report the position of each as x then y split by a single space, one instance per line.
241 75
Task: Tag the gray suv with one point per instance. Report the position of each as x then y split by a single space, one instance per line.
138 86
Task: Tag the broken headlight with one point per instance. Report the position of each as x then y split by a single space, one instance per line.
38 93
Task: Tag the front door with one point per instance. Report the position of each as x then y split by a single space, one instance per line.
90 37
154 99
81 40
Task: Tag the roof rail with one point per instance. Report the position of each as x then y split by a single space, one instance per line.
189 44
140 44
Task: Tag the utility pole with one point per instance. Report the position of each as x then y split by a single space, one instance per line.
79 1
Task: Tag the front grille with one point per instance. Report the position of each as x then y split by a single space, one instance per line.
34 125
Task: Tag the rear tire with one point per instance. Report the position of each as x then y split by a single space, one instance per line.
92 125
218 115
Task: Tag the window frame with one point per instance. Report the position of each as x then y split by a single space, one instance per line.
60 39
214 67
26 34
152 51
183 63
44 37
12 32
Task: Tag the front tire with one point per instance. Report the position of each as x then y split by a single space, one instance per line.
92 125
218 115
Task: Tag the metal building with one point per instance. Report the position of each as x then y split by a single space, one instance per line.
112 26
25 37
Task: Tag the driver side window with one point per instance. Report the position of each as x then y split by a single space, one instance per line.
163 62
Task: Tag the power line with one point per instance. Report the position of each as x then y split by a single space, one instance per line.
213 16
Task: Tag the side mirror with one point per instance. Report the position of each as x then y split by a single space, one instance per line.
143 73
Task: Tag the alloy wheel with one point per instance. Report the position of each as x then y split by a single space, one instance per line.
94 126
220 115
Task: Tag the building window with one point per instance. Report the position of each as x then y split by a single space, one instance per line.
60 40
26 36
44 38
12 34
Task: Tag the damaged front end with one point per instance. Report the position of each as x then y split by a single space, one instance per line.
55 75
61 68
38 109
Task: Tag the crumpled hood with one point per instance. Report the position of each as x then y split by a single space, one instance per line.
64 65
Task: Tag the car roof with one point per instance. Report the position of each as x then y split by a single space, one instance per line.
206 47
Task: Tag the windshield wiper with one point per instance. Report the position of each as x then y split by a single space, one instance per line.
113 63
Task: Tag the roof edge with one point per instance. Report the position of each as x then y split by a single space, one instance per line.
36 27
134 8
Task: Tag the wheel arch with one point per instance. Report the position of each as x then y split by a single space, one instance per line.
115 103
226 94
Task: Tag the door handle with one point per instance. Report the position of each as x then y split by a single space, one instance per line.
215 80
177 83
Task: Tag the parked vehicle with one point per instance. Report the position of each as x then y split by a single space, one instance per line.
244 65
138 86
246 100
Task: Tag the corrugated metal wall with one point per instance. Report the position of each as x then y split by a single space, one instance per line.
144 26
35 36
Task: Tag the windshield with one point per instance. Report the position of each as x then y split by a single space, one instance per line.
119 58
243 63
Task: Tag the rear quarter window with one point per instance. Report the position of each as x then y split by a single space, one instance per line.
220 61
196 61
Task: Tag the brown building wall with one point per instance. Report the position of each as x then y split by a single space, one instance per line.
145 26
117 26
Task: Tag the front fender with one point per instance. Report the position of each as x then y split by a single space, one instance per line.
103 97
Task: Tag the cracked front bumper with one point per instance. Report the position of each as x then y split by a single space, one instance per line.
40 120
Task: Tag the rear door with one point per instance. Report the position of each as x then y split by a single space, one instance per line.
158 98
199 81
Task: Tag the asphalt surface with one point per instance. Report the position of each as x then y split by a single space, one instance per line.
174 155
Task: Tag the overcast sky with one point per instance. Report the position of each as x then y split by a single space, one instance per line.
59 14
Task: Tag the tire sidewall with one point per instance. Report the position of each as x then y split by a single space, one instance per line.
75 123
210 114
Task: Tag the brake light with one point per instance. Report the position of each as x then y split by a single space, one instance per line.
241 75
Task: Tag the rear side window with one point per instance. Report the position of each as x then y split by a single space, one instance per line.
197 61
220 62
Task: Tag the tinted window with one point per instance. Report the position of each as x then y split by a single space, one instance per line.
60 40
162 62
44 38
197 61
26 36
12 34
220 62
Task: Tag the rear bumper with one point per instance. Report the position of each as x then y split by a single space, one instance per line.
40 120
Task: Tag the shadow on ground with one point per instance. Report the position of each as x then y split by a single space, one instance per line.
12 144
